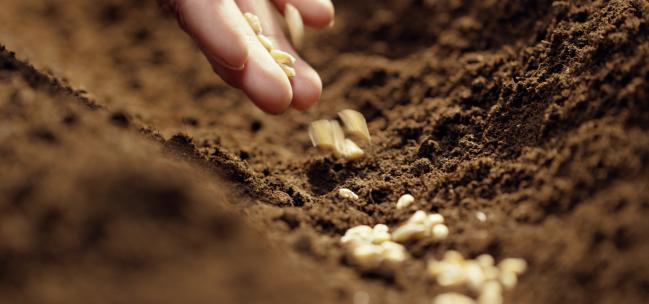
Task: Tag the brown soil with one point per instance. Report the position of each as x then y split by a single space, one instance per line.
129 173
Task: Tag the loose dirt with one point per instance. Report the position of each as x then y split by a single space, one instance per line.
130 173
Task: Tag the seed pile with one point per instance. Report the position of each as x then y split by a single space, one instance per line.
328 135
421 225
283 59
481 275
371 248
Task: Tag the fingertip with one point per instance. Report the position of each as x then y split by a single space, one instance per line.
271 94
307 89
317 14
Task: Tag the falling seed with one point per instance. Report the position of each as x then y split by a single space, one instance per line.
266 42
295 25
321 135
339 138
289 71
352 150
254 22
346 193
481 216
405 201
282 57
452 298
355 124
440 232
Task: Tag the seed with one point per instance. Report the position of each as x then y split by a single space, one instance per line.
321 135
434 219
485 260
346 193
508 279
289 71
408 232
515 265
440 232
418 217
355 124
358 234
282 57
491 293
393 252
266 42
452 298
474 275
254 22
405 201
339 138
481 216
451 274
295 25
380 234
453 256
352 150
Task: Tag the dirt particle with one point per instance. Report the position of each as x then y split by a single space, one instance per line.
120 119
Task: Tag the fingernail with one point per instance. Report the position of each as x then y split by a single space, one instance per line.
222 62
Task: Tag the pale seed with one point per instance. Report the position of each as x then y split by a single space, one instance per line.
321 135
346 193
452 298
405 201
266 42
440 232
355 124
254 22
351 150
295 25
289 71
282 57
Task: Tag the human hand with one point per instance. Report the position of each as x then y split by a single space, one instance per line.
232 48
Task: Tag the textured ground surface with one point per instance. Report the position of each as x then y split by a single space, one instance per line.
129 171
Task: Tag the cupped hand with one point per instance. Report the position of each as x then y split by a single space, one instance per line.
235 53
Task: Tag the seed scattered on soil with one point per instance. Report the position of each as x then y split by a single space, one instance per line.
440 232
481 216
421 225
346 193
405 201
479 274
370 248
283 59
295 25
355 124
453 298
